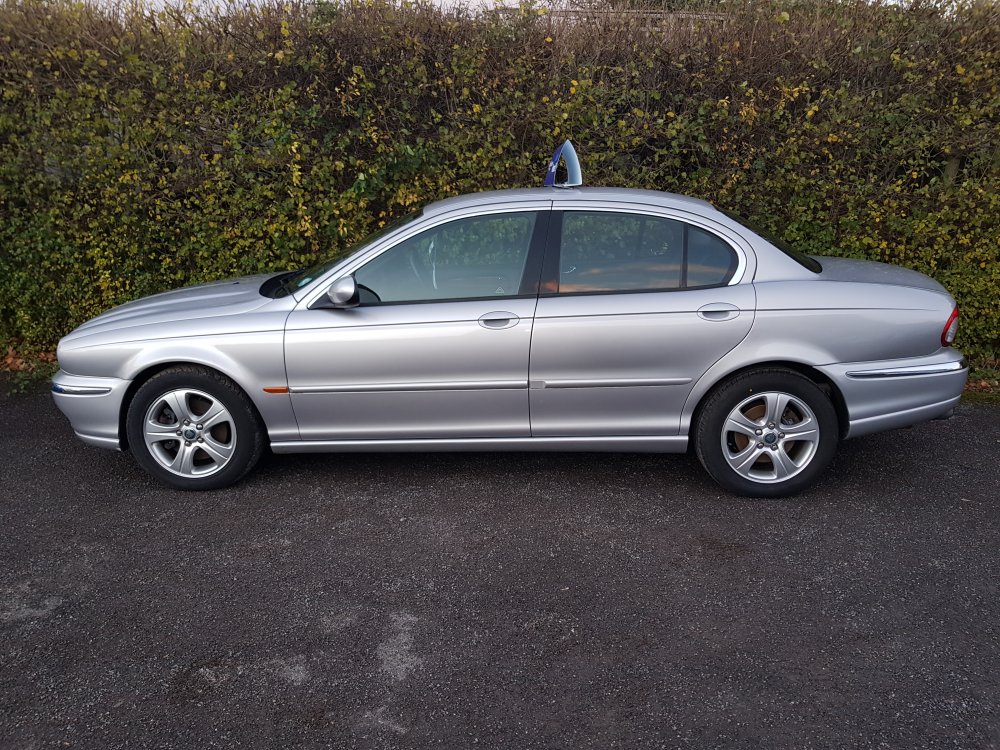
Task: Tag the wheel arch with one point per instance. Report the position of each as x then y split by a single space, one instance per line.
693 411
144 375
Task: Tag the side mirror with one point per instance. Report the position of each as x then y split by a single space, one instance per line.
343 293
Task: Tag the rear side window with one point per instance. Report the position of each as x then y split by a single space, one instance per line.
602 251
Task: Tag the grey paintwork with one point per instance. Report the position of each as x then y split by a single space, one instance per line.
410 371
624 364
590 372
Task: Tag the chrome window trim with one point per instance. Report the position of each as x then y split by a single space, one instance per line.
724 233
910 371
317 289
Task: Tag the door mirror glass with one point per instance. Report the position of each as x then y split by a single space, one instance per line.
343 293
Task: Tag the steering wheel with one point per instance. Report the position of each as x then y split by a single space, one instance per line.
432 257
432 252
416 271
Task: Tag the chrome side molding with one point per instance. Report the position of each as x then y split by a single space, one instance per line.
465 385
607 383
903 372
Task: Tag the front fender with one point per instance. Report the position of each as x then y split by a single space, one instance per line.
254 361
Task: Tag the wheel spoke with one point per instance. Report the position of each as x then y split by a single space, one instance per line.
177 401
804 432
219 452
742 461
776 405
739 422
157 433
784 467
183 462
215 415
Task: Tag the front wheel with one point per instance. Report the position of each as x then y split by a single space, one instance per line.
766 433
194 429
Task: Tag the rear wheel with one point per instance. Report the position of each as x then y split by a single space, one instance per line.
766 433
194 429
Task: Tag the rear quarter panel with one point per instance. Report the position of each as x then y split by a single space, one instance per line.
832 321
822 323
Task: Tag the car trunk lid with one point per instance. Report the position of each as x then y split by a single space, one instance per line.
871 272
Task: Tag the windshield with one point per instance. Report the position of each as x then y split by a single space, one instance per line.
801 258
295 280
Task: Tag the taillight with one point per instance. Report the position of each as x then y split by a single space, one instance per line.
950 329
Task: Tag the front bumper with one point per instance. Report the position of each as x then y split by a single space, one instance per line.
899 393
93 406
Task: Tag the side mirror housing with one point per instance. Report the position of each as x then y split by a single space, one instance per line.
343 293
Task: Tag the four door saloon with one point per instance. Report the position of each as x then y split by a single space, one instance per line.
557 318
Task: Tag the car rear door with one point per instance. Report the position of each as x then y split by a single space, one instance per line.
636 304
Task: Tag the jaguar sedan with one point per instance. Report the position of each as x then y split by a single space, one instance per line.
554 318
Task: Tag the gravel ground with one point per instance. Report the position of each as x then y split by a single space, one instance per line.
501 601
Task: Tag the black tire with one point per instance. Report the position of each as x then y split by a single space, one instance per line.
763 464
239 436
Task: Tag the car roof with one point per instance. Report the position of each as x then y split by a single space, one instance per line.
617 195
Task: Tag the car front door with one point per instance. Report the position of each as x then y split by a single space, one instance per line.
438 346
634 308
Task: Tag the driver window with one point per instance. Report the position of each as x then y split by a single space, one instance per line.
481 256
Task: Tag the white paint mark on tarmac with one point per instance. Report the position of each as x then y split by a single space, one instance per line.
292 671
333 622
19 604
395 653
379 720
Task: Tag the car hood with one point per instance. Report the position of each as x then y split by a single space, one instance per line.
870 272
212 300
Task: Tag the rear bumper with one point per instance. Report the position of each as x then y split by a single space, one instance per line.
898 393
92 406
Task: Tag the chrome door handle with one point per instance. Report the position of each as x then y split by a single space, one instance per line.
716 311
498 320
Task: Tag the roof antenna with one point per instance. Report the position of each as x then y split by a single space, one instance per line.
573 175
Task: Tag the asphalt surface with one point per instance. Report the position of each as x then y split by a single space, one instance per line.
499 601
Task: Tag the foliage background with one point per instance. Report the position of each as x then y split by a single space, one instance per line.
141 150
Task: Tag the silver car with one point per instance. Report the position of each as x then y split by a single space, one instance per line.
557 319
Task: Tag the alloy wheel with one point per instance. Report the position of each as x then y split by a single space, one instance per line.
770 437
189 432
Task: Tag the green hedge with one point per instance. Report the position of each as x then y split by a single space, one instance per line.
142 150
